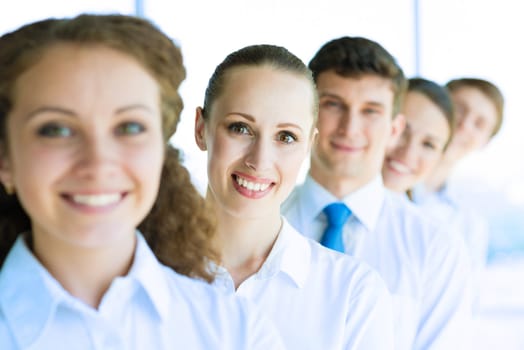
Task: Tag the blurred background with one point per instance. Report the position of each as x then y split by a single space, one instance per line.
438 40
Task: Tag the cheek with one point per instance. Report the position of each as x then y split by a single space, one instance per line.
291 162
327 124
427 163
50 163
146 163
220 150
222 154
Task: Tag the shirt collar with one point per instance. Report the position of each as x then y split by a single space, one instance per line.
365 203
27 312
290 254
150 275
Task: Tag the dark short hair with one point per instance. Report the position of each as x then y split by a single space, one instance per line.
356 56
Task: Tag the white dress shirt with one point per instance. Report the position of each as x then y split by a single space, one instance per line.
150 308
425 268
445 207
318 298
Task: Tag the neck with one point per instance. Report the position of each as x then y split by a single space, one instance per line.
339 186
245 243
439 175
86 273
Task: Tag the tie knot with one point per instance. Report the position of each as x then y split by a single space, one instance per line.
337 214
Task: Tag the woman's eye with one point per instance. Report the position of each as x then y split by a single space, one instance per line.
429 145
239 128
286 137
480 124
130 128
55 130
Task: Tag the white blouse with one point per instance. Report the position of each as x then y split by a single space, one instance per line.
151 308
318 298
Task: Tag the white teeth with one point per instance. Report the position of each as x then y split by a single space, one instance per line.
401 168
252 186
96 200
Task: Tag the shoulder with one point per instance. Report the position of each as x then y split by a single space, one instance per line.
206 300
292 200
409 216
346 272
422 234
231 321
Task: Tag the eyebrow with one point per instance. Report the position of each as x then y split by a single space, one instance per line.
429 136
52 109
252 119
374 103
71 113
244 115
289 125
328 94
135 106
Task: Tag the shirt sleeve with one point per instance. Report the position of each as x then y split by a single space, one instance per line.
446 310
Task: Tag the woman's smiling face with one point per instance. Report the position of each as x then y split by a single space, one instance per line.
257 134
85 147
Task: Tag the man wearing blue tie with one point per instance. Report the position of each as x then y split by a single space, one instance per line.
343 203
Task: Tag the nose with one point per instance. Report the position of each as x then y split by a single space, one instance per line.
260 154
349 124
465 123
96 156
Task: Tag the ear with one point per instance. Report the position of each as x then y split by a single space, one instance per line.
200 129
312 139
5 172
397 127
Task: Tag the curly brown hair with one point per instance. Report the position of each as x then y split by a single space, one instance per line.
179 227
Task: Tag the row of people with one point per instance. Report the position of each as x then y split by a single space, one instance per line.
444 125
93 252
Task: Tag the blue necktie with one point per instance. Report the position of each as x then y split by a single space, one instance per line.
337 214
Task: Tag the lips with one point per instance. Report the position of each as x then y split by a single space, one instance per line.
94 201
252 187
398 167
346 148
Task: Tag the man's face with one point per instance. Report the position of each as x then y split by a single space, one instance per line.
355 126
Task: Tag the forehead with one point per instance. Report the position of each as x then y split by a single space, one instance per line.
475 99
265 89
366 87
424 115
74 71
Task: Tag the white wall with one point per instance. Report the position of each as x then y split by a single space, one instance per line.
468 37
209 30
